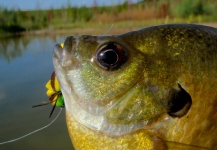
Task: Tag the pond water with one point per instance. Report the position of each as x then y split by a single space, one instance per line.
25 67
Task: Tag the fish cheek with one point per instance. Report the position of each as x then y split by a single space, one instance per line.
179 102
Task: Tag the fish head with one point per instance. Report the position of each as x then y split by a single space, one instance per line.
133 86
107 80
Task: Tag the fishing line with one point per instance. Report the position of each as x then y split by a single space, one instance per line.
108 29
19 138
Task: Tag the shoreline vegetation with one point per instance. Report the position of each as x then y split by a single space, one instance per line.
98 19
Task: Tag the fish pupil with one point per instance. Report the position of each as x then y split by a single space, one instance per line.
109 56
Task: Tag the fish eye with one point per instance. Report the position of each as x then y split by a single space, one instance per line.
111 56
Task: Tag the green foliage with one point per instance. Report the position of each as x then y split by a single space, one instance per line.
190 7
12 28
85 14
82 14
10 21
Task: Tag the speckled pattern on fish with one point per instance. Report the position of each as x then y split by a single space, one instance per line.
155 88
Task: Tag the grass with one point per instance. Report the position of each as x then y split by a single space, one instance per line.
99 28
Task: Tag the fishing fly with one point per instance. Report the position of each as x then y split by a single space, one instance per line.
54 93
56 99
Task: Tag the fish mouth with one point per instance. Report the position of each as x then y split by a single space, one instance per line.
66 56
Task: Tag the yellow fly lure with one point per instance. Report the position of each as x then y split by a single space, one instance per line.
54 93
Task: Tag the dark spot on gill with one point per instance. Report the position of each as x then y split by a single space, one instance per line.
179 102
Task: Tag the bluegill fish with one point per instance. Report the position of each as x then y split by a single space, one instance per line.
155 88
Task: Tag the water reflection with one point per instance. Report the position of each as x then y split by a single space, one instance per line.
11 47
25 67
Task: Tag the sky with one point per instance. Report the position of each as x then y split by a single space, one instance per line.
47 4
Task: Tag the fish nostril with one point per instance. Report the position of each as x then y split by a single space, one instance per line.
58 51
70 44
66 56
68 51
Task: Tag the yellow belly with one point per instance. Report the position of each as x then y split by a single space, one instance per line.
86 139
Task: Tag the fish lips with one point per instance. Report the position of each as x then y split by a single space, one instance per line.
66 56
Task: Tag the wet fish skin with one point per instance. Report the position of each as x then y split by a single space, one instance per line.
128 107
